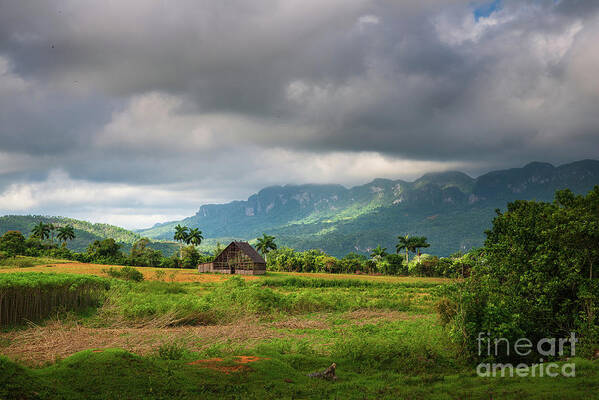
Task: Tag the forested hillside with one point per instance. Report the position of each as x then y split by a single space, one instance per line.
85 232
451 208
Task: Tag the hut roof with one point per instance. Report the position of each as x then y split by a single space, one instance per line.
248 250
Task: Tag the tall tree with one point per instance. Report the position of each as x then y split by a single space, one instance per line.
52 228
65 233
265 244
41 231
420 243
181 235
194 237
406 243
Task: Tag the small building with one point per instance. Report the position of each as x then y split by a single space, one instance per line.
236 258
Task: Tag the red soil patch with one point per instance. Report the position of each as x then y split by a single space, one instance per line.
216 364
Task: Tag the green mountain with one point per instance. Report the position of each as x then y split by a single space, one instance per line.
451 208
85 232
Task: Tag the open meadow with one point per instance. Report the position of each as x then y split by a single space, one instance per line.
180 334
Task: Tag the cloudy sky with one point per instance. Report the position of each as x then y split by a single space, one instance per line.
135 112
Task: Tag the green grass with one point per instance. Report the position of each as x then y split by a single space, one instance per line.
385 338
117 374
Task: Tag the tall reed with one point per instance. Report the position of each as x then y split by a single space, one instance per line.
34 296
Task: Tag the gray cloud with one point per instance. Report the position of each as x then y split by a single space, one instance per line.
229 97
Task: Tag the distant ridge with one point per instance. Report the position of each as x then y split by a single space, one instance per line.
451 208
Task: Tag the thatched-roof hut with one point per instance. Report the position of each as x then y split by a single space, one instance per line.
236 258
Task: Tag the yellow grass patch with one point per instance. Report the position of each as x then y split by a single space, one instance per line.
171 274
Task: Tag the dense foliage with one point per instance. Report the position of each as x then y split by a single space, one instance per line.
536 276
290 260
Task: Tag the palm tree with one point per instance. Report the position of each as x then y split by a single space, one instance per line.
181 235
265 244
420 242
194 237
407 243
41 231
52 228
65 233
379 252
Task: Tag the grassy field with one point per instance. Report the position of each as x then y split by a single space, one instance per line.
180 334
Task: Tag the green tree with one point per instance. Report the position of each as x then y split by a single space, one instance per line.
52 228
406 243
190 257
534 277
265 244
41 231
194 237
65 233
181 235
419 242
105 252
143 256
12 243
379 252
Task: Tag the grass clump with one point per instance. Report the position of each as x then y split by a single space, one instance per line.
171 351
128 273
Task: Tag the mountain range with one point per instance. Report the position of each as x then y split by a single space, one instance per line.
451 208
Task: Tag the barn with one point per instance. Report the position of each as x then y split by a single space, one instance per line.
236 258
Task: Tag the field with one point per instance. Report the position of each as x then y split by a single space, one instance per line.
179 334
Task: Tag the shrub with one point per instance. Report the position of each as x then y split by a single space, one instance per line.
160 275
171 351
128 273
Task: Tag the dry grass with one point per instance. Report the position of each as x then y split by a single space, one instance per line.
171 275
39 345
300 323
363 317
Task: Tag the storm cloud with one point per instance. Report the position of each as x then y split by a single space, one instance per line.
140 111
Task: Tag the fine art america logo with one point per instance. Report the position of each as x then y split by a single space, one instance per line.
523 347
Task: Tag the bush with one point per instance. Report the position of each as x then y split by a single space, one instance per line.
534 278
12 243
128 273
171 351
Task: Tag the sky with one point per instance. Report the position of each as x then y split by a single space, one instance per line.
136 112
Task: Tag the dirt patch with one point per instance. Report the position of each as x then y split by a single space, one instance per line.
41 344
216 363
